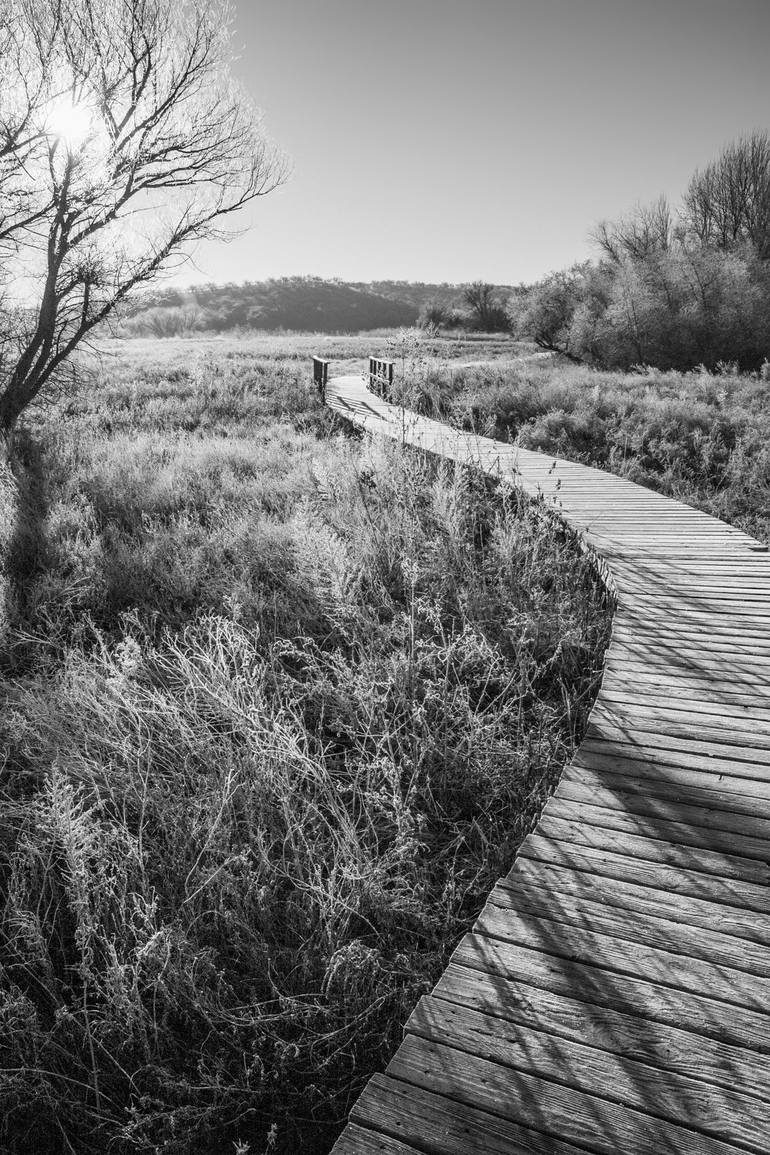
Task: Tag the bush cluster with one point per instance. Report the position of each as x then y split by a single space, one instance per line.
671 290
687 306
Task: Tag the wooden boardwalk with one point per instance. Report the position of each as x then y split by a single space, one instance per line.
614 994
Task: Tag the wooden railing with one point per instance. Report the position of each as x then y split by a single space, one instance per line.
380 377
320 375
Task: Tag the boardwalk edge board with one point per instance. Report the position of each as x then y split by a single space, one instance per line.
612 996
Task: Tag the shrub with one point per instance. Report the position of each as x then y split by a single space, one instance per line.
438 315
674 309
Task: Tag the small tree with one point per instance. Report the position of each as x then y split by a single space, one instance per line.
546 312
436 314
487 313
122 139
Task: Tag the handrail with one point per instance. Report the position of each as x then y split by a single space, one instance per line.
380 377
320 375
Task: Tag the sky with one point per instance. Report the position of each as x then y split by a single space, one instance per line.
458 140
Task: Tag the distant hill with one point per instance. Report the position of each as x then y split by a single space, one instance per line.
307 304
418 292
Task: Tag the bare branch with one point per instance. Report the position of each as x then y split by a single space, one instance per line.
728 202
122 139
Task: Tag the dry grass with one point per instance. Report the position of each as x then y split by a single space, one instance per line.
278 707
701 437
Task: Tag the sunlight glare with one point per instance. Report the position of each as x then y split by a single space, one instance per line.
70 122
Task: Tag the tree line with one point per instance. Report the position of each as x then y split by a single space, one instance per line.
672 287
300 304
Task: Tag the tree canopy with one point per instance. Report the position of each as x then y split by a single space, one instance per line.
123 138
673 289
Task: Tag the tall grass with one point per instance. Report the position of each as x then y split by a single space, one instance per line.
701 437
278 707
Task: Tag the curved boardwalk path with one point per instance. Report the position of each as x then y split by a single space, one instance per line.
614 994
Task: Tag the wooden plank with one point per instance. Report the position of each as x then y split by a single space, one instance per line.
437 1125
637 513
662 535
744 671
653 524
659 608
703 609
746 675
642 699
621 1032
680 574
712 639
689 1007
755 565
666 930
672 769
689 749
717 1111
745 587
691 822
715 650
723 549
709 807
673 579
356 1140
566 1114
587 882
688 862
640 519
635 717
646 551
727 691
667 959
721 656
648 624
604 537
732 605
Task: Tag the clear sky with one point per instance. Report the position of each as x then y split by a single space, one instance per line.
455 140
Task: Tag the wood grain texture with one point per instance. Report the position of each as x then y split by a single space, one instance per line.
613 995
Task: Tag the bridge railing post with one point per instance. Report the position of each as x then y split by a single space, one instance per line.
380 377
320 376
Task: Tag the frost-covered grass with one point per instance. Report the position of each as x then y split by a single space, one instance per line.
701 437
278 705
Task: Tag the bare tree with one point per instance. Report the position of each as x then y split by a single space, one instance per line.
486 310
645 231
122 138
728 202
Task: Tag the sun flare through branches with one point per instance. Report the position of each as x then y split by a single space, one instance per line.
123 140
70 122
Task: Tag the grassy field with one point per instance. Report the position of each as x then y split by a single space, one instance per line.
701 437
278 705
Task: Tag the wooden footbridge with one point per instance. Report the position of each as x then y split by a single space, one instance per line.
614 994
